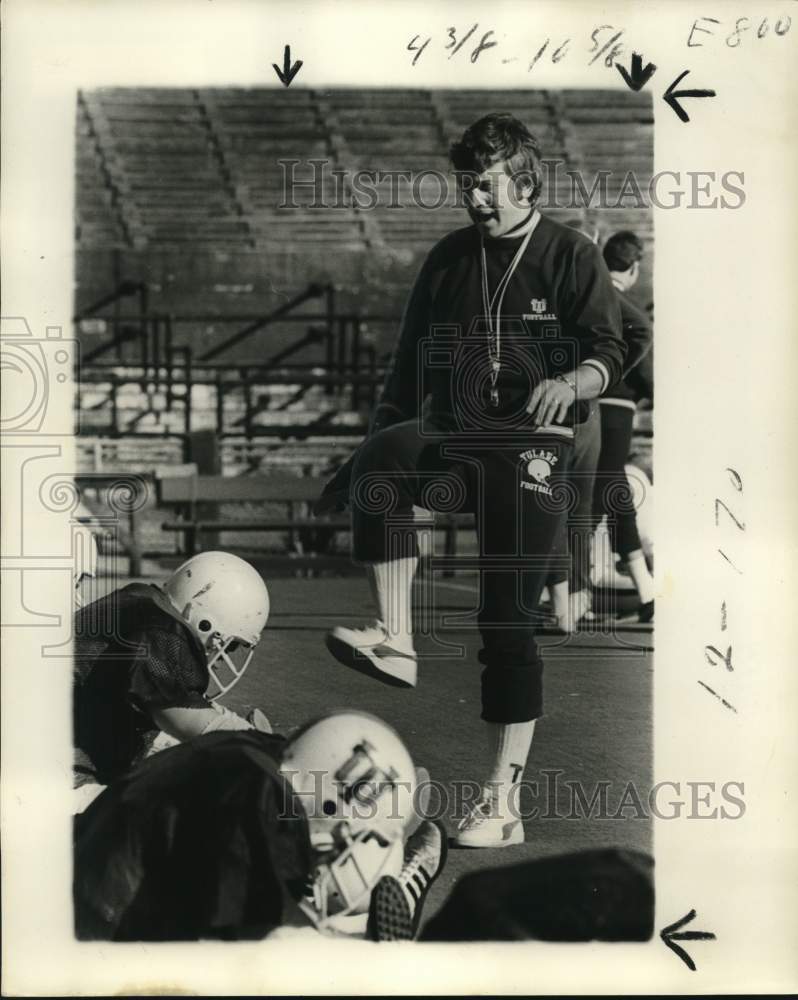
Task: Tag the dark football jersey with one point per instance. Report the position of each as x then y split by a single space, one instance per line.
204 840
637 380
132 655
559 310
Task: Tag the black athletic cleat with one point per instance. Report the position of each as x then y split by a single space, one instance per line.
646 613
397 902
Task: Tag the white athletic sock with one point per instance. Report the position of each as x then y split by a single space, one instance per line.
579 603
569 609
642 579
509 743
392 587
559 599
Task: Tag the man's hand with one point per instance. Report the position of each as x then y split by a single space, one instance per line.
550 401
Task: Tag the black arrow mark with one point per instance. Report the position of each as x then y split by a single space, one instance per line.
288 72
637 77
669 936
671 96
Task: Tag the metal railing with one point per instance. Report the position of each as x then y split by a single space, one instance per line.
152 351
356 389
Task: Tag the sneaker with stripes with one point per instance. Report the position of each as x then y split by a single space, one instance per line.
398 901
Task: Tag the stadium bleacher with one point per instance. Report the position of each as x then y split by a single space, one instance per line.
182 193
203 166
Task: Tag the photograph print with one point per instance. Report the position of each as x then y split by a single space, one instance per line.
374 370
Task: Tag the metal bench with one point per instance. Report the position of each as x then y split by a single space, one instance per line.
183 493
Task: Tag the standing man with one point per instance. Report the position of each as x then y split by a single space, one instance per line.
511 326
623 252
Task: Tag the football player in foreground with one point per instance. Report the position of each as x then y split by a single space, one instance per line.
234 834
149 659
511 328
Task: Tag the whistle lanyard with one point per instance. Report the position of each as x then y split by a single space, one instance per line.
489 302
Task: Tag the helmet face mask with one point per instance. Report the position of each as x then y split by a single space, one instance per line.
344 876
227 661
224 602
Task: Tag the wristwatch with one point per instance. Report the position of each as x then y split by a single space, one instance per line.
568 381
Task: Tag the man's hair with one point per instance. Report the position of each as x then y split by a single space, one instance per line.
622 250
499 137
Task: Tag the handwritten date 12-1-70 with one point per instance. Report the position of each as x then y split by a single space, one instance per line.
715 654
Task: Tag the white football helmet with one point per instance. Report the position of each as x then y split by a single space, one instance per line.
357 783
225 603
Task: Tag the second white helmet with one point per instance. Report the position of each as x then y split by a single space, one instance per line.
357 783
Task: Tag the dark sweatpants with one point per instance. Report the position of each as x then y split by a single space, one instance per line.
516 490
612 495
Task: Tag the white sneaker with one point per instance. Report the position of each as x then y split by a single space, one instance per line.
370 651
484 826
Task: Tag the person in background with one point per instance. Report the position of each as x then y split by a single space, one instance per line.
569 580
612 497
